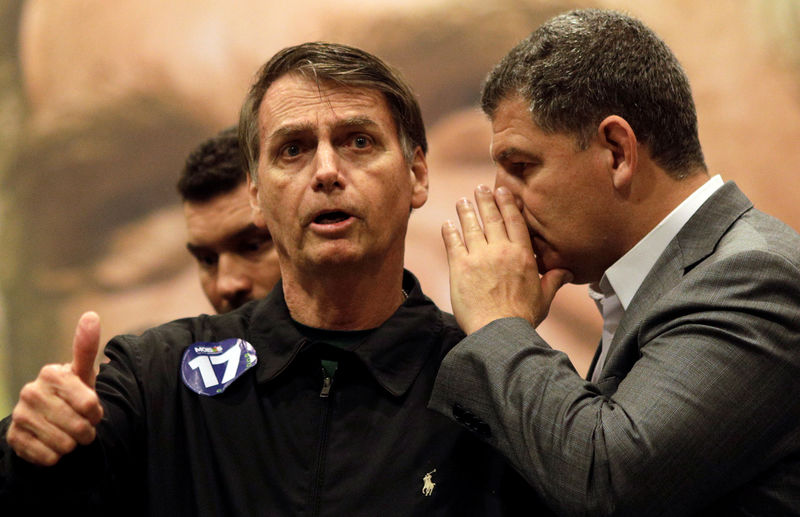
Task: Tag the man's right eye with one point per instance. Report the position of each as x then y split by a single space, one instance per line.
517 168
206 261
291 150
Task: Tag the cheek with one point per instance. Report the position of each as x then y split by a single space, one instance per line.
275 184
207 282
282 221
277 206
532 205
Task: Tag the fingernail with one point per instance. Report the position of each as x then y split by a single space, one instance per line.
484 188
502 191
463 202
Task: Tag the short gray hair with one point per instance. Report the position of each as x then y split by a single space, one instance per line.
584 65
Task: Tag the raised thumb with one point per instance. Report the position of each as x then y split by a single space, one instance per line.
84 347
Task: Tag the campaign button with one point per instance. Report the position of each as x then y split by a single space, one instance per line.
209 368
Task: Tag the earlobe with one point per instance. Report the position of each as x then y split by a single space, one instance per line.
419 179
617 136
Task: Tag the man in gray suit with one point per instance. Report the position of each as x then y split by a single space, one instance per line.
693 400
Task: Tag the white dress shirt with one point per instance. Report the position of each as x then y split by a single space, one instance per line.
621 281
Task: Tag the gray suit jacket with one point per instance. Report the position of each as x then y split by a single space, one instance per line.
697 410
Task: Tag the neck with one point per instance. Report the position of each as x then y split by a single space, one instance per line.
650 197
349 297
659 196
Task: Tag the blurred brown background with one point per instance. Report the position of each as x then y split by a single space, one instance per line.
101 101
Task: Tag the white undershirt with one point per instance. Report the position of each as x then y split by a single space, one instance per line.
621 281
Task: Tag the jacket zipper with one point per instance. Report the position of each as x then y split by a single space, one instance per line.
327 383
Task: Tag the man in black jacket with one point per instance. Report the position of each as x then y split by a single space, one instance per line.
309 402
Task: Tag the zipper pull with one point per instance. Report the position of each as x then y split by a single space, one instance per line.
327 381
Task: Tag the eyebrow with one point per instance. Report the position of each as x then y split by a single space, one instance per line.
248 231
291 130
365 122
506 154
194 249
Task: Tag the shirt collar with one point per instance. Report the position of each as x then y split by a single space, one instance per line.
394 353
626 275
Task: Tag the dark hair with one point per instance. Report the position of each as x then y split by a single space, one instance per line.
341 65
215 167
584 65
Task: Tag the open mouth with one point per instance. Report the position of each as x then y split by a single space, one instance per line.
331 217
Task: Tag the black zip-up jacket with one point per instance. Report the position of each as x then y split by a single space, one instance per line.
280 440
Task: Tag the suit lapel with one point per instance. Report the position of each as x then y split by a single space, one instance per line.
596 357
695 241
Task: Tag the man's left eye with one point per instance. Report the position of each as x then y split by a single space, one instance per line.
361 141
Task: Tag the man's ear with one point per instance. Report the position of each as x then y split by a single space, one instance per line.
419 179
255 202
617 136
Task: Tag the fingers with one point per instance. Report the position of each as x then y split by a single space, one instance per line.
493 224
45 423
49 422
499 214
500 218
73 392
513 223
29 448
470 224
453 243
481 226
60 409
84 347
493 271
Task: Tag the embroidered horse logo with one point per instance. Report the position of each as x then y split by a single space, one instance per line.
428 484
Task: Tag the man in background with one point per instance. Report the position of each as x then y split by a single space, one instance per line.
237 259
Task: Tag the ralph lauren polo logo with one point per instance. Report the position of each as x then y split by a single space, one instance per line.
427 483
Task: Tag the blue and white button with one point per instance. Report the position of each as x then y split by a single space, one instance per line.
209 368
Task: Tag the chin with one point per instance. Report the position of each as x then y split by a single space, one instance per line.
336 257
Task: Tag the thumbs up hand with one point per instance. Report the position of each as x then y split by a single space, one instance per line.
84 348
60 409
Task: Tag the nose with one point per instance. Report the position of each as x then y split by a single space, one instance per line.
327 176
233 285
501 179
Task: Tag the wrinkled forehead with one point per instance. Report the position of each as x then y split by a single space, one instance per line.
295 102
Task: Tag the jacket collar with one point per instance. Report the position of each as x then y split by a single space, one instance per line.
700 235
696 241
394 353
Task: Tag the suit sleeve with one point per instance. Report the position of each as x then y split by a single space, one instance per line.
711 401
